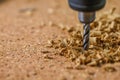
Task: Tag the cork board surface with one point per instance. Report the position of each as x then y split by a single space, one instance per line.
25 28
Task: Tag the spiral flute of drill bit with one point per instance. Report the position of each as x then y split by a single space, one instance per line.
86 36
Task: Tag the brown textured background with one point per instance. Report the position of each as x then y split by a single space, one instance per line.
22 37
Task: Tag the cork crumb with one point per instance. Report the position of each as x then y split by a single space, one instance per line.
104 42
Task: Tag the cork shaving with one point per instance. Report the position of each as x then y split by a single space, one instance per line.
104 42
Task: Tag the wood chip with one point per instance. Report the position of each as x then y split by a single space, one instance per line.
93 40
96 33
110 69
46 56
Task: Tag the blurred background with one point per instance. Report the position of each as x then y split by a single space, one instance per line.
45 10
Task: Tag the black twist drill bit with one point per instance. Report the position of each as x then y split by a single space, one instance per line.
86 18
86 36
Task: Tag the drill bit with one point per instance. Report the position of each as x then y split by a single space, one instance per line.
86 36
86 18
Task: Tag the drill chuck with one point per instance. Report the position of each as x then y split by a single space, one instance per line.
86 17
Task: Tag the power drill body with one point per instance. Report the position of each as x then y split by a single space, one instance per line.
86 9
87 5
